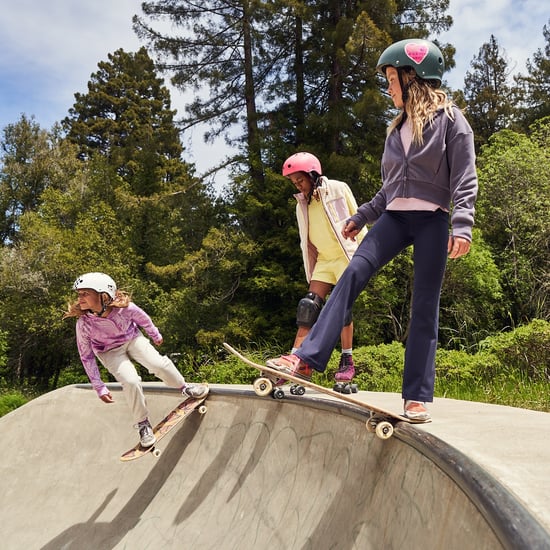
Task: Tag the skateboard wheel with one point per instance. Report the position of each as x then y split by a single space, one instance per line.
296 389
262 386
156 452
203 409
354 388
384 430
346 389
278 393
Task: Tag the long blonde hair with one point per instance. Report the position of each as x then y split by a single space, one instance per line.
423 101
121 299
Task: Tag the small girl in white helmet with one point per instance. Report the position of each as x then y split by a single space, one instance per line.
109 326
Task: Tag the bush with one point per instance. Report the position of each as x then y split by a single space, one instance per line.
525 350
10 401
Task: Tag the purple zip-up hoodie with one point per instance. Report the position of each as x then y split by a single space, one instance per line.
100 334
441 171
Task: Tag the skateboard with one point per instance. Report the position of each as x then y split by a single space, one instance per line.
169 422
380 421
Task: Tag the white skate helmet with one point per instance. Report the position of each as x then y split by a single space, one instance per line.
100 282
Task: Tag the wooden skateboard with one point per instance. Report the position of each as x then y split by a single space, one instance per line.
168 423
380 421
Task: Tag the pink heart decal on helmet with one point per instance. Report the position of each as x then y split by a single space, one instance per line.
416 52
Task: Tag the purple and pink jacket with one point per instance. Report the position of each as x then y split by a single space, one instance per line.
96 335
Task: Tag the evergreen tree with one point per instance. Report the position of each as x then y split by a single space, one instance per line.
125 118
487 92
31 160
534 88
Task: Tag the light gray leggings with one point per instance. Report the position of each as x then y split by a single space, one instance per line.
119 363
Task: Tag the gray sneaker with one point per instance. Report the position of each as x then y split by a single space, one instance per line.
195 391
146 436
416 411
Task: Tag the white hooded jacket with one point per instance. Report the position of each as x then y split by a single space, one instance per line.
339 205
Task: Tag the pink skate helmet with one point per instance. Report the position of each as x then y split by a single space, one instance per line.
302 162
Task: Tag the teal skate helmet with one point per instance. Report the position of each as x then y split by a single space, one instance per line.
422 55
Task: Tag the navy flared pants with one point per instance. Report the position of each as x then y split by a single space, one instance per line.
394 231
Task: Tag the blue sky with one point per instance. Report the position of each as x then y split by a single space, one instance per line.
49 49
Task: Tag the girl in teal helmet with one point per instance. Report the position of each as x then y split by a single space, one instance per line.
428 179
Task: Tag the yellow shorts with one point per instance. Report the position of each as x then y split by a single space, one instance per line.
329 271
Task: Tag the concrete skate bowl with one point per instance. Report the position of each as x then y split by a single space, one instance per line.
251 473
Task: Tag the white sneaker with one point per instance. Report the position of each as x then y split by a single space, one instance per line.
195 391
146 436
416 411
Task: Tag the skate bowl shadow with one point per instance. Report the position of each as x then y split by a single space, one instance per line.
251 473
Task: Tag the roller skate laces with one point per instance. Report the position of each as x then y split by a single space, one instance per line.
344 375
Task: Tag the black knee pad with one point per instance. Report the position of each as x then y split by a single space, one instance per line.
309 309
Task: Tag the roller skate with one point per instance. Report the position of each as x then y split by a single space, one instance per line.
344 375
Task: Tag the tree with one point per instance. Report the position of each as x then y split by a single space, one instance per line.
125 116
126 120
32 159
487 93
294 73
512 213
224 56
67 234
534 89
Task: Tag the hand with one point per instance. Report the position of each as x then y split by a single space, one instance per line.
350 231
107 398
458 246
158 342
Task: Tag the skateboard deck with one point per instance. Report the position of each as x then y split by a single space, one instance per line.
380 421
167 424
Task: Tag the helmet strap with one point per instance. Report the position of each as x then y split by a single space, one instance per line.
316 181
104 305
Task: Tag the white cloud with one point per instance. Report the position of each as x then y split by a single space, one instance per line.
50 49
516 25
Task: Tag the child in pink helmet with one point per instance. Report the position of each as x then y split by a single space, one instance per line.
323 206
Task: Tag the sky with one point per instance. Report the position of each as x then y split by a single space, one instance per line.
50 48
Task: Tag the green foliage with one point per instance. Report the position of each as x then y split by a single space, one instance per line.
514 175
509 368
11 400
487 93
524 351
472 300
